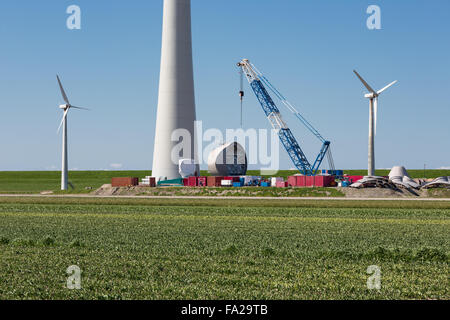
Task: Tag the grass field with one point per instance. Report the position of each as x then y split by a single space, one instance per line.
37 181
223 249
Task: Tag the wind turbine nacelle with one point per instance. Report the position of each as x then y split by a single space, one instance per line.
64 106
370 95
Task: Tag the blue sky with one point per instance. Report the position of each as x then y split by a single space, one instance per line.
307 49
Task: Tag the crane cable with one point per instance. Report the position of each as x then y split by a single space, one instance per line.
241 93
288 105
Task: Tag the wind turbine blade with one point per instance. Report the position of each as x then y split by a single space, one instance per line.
364 82
376 113
80 108
62 91
64 116
387 87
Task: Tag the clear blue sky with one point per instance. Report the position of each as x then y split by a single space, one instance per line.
308 49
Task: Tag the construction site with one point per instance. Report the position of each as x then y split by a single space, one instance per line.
317 208
398 184
228 162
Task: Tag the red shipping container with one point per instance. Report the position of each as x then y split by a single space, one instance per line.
185 182
281 184
192 181
354 179
301 181
309 181
124 182
234 179
323 181
201 181
214 181
152 182
292 181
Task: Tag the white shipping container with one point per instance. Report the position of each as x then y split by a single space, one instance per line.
226 183
274 181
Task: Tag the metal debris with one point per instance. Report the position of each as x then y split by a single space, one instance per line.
374 182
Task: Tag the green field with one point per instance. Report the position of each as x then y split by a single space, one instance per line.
223 249
37 181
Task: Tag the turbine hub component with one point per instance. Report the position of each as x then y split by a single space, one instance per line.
228 160
64 106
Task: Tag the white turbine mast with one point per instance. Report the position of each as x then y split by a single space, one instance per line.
65 107
176 99
373 118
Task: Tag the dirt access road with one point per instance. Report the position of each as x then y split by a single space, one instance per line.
84 196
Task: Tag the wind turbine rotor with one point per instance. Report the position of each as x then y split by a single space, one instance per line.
78 107
66 106
387 87
63 93
365 83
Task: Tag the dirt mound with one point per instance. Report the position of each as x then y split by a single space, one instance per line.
382 193
107 190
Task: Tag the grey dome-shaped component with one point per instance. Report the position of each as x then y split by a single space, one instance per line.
187 168
400 177
228 160
398 171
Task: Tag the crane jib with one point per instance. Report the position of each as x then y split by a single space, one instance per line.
264 98
284 133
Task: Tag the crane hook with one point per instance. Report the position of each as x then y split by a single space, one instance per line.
241 93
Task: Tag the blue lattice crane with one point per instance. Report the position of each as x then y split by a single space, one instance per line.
259 83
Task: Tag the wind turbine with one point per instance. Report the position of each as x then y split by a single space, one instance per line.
65 107
373 115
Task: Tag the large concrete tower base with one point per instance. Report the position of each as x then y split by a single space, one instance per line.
176 102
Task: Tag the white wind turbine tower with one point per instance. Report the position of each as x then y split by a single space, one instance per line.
65 107
176 98
373 115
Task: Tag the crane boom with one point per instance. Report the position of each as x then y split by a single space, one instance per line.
298 157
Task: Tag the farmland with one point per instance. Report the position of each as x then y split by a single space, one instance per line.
223 249
36 181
